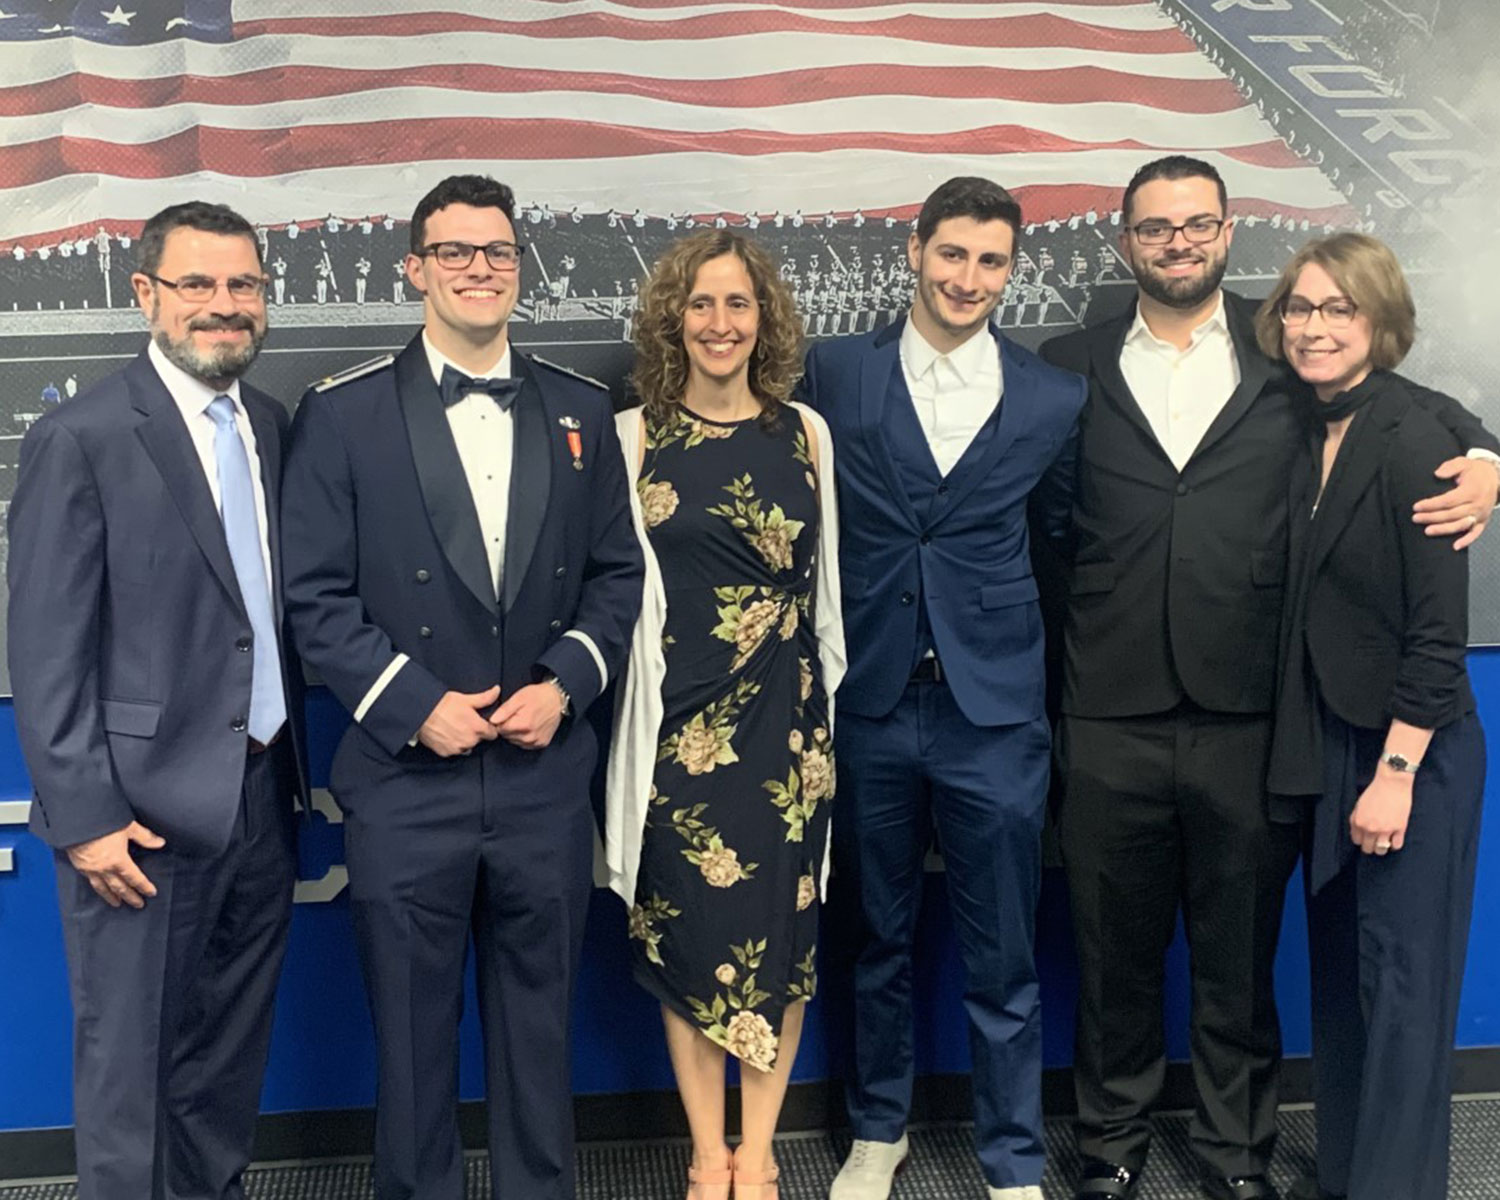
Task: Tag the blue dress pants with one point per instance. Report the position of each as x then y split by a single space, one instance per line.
925 769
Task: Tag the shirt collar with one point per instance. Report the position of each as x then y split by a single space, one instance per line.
1217 323
190 394
968 360
437 360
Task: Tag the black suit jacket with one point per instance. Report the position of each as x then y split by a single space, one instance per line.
1387 608
127 632
1176 585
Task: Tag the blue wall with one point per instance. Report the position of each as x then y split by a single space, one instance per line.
323 1054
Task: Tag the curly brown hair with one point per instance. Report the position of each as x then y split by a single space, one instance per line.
660 373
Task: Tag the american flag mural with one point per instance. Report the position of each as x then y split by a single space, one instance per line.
291 110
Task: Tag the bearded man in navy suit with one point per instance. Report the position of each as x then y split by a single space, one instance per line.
158 710
946 432
462 571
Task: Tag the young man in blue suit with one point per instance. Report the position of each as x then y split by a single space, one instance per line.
158 708
462 572
944 431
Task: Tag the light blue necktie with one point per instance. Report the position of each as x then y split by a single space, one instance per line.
242 529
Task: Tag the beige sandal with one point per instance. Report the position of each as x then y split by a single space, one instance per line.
756 1185
710 1183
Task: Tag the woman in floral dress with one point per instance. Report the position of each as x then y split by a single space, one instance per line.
721 773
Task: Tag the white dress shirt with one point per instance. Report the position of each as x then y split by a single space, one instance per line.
192 397
1181 391
954 393
485 436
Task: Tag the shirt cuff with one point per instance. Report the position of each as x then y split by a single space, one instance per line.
1484 455
593 650
380 684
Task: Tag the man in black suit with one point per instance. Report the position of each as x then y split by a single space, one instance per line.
1172 614
462 571
157 708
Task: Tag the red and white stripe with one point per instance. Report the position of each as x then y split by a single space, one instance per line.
817 105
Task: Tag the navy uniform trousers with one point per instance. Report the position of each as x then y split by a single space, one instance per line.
497 844
1387 936
172 1003
926 768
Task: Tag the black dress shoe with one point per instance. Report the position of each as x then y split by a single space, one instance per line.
1307 1188
1100 1180
1239 1187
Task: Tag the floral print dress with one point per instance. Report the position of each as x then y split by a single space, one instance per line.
724 925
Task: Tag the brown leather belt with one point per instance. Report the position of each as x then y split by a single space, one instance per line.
254 747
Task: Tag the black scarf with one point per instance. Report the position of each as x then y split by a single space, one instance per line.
1297 768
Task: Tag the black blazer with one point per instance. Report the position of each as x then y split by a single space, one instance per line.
1387 607
1176 585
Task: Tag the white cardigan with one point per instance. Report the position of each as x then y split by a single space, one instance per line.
638 702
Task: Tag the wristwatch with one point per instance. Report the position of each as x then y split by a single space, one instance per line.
567 701
1398 762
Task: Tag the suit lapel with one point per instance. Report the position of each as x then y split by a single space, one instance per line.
1106 345
1354 470
530 477
1255 370
883 357
171 447
440 472
1015 408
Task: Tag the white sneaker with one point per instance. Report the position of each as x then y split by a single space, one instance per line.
868 1171
1029 1192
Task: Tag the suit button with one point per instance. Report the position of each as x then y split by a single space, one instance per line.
494 631
423 575
242 645
239 724
942 489
907 599
560 572
554 626
1183 489
425 631
926 539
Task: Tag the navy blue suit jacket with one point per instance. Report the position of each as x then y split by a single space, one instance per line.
128 638
968 560
384 553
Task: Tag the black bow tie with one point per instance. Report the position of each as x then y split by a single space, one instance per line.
457 385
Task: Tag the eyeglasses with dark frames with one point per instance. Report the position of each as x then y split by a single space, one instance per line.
1160 233
456 256
196 289
1337 312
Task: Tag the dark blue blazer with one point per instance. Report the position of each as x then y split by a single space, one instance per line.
384 553
960 553
128 638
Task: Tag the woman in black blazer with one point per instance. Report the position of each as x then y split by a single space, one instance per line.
1375 728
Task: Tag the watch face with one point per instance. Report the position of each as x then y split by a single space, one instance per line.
1399 761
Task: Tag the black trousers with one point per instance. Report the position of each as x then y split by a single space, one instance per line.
172 1004
1162 814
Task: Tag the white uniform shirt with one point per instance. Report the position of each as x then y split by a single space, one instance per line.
954 393
1181 391
485 436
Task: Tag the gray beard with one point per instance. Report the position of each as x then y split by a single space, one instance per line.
227 362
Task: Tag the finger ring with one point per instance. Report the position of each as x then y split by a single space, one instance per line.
1383 844
1473 520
